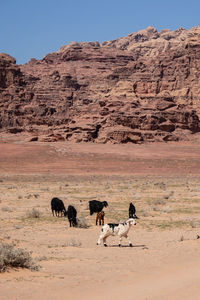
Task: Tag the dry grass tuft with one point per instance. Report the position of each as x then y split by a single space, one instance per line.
75 243
194 223
34 213
82 223
6 209
168 195
15 258
159 202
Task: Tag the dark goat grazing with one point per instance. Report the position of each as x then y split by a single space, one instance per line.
132 211
71 213
57 206
96 206
100 217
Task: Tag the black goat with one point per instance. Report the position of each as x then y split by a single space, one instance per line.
57 206
132 211
71 213
96 206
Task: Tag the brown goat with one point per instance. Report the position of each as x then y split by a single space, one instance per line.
100 217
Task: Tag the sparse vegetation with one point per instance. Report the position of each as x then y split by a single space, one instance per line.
159 202
167 209
155 208
42 258
168 195
11 257
82 222
34 213
75 243
153 197
194 223
6 209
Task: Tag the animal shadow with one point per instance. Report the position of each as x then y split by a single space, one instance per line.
127 246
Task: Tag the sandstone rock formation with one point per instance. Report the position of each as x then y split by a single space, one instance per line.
140 88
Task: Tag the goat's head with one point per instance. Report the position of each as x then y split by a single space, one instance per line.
131 221
105 203
135 217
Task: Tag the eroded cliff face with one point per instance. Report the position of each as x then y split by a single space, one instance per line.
140 88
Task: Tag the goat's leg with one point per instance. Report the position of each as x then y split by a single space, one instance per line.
102 237
104 241
97 219
99 239
120 239
74 222
129 241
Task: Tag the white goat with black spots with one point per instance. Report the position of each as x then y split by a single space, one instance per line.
120 230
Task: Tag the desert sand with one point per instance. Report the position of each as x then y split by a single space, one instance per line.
161 179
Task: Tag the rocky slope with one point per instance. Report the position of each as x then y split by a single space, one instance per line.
140 88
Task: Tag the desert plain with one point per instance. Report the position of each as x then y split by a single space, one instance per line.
161 179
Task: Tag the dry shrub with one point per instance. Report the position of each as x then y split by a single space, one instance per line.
154 208
167 209
34 213
41 258
75 243
161 185
144 213
159 202
168 195
82 223
194 223
6 209
15 258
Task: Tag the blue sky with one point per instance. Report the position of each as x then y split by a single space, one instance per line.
34 28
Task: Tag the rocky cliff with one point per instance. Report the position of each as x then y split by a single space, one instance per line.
139 88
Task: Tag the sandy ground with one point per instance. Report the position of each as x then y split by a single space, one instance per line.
162 180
